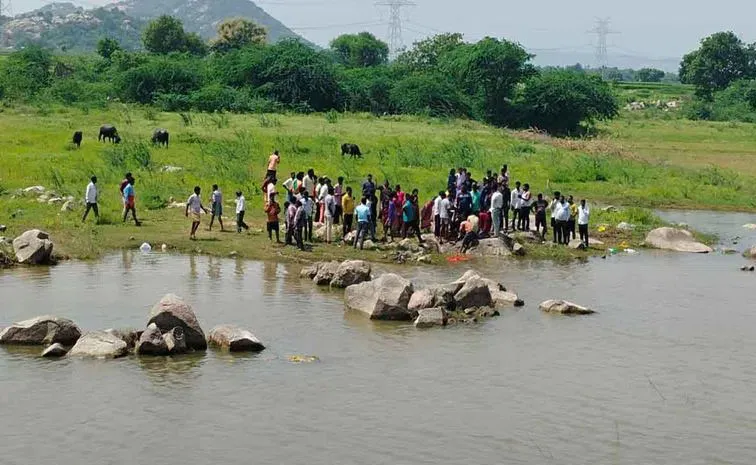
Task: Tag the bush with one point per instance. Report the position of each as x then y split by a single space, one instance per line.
161 75
428 94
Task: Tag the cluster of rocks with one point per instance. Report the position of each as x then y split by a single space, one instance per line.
391 297
172 329
338 275
68 203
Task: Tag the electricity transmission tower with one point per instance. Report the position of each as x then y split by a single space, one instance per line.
395 24
602 31
6 8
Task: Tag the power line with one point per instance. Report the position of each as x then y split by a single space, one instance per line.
336 26
396 43
602 31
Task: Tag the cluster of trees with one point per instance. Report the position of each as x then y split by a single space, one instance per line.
491 80
723 71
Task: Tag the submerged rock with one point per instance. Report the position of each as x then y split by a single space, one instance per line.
235 339
171 312
175 341
564 307
430 317
54 351
99 344
42 330
33 247
151 342
678 240
385 298
351 272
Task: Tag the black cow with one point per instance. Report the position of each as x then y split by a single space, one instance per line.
160 137
108 132
77 137
352 150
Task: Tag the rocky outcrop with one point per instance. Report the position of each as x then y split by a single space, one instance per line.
564 307
351 272
325 273
129 336
151 342
54 351
175 341
99 344
678 240
42 330
310 271
172 312
385 298
435 297
431 317
33 247
500 297
474 293
493 247
234 339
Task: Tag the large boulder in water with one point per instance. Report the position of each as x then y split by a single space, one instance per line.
151 342
435 297
351 272
325 273
42 330
385 298
564 307
234 339
175 341
33 247
474 293
678 240
99 344
430 317
54 351
171 312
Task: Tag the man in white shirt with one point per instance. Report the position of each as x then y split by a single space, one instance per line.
322 193
584 215
436 216
194 204
309 212
497 203
240 208
562 216
552 209
514 204
443 214
90 198
329 211
289 186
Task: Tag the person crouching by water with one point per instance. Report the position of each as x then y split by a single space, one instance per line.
216 207
584 215
240 208
468 232
194 205
272 210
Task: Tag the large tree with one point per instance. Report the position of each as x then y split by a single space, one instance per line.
649 75
426 54
166 35
107 46
238 33
489 71
721 59
359 50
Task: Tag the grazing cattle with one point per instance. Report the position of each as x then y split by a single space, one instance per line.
110 133
160 137
77 137
352 150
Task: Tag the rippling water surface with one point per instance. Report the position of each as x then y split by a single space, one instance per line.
663 374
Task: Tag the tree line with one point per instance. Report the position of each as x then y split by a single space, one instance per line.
491 80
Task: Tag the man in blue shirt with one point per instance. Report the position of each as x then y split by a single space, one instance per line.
362 212
411 216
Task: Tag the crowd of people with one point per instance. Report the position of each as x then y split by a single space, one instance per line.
467 210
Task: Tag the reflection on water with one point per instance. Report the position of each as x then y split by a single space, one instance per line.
663 374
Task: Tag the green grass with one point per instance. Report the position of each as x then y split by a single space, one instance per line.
635 163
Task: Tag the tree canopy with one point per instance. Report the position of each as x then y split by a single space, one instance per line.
359 50
166 35
237 33
721 60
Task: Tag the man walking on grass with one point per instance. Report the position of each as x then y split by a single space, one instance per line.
240 209
194 205
90 197
129 202
216 206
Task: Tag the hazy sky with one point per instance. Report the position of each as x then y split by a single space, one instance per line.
647 28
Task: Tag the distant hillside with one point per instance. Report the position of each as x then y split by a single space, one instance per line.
203 16
67 27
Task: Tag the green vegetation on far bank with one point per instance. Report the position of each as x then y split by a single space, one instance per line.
231 150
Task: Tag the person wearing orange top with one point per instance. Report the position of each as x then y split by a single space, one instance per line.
272 209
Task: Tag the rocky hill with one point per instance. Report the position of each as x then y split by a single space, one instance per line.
67 27
202 16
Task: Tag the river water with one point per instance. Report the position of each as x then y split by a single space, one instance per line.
664 373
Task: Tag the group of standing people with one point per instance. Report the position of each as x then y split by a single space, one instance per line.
468 210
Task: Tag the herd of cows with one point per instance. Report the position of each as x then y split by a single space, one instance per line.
109 133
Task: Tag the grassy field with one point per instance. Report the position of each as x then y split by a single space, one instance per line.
636 163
